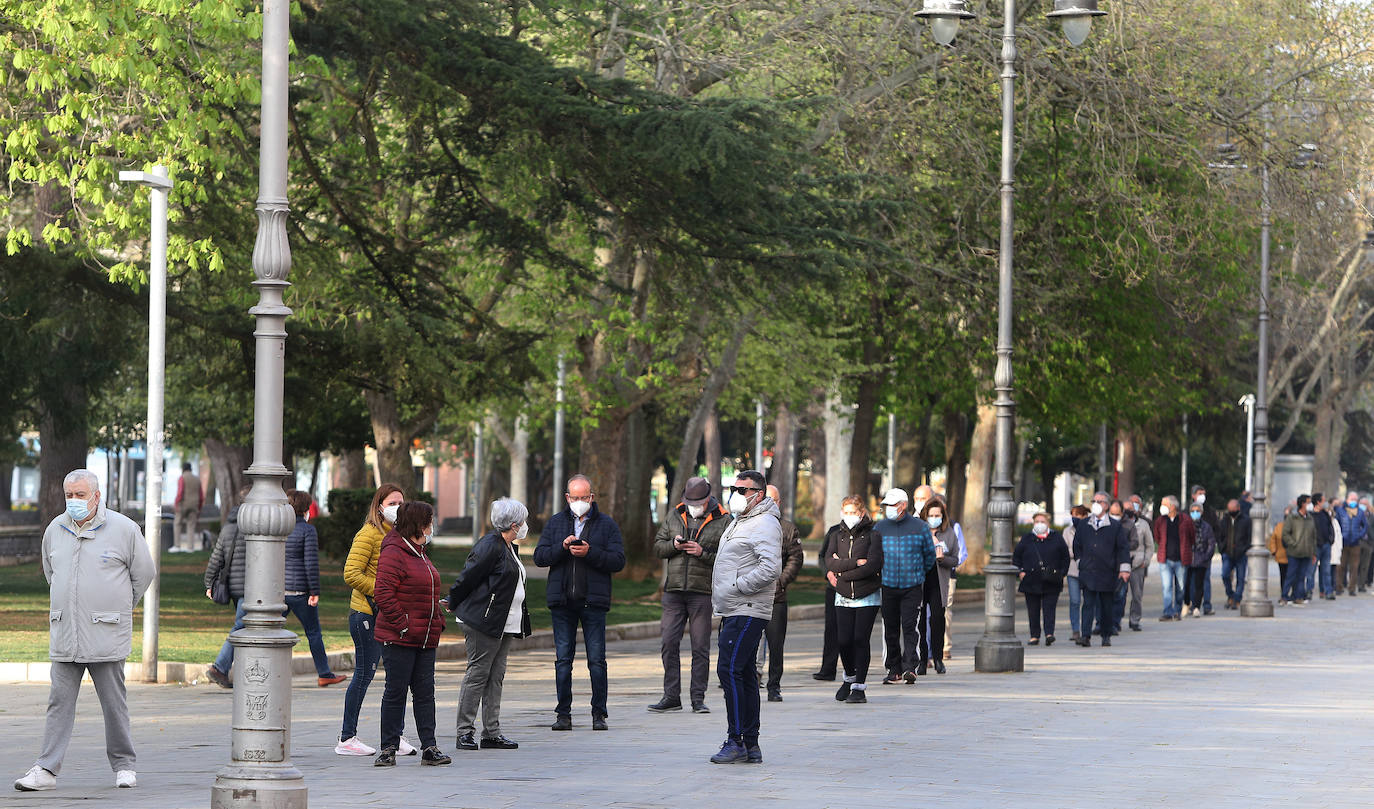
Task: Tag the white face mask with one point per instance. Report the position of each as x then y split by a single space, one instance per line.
1202 498
891 512
580 508
1096 509
522 532
850 520
696 511
1042 529
389 513
919 504
738 503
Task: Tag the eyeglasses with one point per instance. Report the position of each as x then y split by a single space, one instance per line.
586 498
745 490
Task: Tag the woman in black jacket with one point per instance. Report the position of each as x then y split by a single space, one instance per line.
854 565
489 599
1042 556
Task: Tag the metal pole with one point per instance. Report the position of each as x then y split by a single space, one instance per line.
554 503
758 434
260 773
477 483
999 650
892 450
1255 601
1249 401
1183 472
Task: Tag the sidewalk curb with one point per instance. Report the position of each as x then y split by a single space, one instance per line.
175 673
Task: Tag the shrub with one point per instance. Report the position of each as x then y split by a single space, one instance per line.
347 512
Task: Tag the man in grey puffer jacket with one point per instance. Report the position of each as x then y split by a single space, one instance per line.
748 562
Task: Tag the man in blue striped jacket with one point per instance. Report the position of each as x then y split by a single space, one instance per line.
908 552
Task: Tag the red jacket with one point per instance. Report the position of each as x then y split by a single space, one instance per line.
1187 532
407 595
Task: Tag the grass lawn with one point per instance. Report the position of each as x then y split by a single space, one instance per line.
193 627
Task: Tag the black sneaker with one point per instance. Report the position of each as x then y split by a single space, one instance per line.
665 705
894 677
562 723
434 757
386 758
774 695
700 707
755 754
909 678
825 676
468 741
599 723
732 752
856 696
843 693
218 677
499 743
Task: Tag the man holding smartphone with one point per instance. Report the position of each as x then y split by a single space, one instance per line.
582 548
686 542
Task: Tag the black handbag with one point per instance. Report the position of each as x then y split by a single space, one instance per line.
219 588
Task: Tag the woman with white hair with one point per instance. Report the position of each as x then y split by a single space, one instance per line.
489 599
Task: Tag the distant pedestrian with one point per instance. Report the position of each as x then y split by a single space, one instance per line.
229 553
1174 537
489 598
97 567
1142 555
1103 551
582 548
853 566
1354 525
409 624
1234 543
743 583
1200 567
1280 555
1077 512
1209 516
687 540
360 573
186 510
775 636
1366 552
908 552
1300 542
830 648
303 585
1042 560
948 538
1319 583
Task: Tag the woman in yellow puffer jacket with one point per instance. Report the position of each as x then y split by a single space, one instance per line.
360 572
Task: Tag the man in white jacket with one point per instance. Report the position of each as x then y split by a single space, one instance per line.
748 561
97 566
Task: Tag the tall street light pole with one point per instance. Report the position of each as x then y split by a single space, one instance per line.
260 773
1254 602
1248 402
999 650
555 503
160 185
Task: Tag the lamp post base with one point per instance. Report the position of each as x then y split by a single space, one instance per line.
999 655
259 787
1254 601
1257 609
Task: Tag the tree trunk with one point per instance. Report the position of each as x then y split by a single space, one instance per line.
637 526
784 459
912 443
353 470
228 464
864 418
6 481
956 459
815 440
392 437
520 462
1047 475
65 441
1126 483
974 512
839 432
603 452
1326 465
705 408
711 436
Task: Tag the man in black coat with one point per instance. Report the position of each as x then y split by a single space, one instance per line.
1233 540
1102 547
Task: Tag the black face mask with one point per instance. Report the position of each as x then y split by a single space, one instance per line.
1234 513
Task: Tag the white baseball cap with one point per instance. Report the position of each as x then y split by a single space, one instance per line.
893 497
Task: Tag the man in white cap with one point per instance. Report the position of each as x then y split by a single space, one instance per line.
908 552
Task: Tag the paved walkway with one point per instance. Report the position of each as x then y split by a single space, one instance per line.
1213 712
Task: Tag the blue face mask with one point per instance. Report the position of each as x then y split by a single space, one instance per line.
1363 507
78 510
936 521
1197 515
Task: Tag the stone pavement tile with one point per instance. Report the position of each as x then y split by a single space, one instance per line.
1218 712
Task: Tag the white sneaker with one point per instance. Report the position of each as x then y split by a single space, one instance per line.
36 780
126 779
405 748
353 747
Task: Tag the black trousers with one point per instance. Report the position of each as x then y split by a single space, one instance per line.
1038 605
830 647
1100 605
901 627
1197 578
932 618
854 626
776 635
408 669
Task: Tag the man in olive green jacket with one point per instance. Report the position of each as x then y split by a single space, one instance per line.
1300 542
687 541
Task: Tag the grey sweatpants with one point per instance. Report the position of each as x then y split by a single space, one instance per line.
482 683
109 687
1137 586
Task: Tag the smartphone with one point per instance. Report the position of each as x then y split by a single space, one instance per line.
578 541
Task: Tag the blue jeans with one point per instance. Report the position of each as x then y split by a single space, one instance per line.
1075 602
738 646
1295 583
1171 578
310 621
565 622
225 660
1324 562
1235 567
366 653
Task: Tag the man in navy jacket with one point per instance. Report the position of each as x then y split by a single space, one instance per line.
1102 547
582 548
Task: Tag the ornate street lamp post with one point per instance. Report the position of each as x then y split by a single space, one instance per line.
260 773
999 650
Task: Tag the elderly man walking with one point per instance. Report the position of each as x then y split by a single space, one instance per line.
1102 547
97 567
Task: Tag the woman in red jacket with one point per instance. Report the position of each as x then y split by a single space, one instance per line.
409 623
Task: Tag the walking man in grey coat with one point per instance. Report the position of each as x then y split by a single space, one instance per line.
97 567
